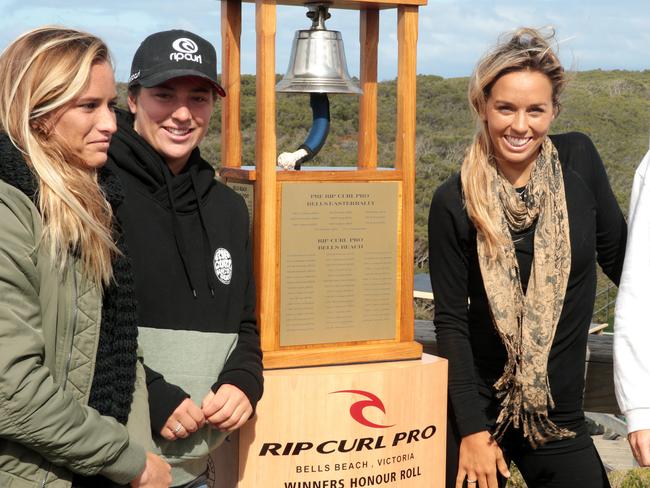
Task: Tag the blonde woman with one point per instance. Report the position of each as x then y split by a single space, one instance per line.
513 245
73 410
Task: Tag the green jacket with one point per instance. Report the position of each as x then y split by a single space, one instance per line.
49 332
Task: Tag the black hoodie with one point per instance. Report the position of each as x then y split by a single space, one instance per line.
188 237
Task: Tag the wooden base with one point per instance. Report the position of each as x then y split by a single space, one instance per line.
331 354
381 424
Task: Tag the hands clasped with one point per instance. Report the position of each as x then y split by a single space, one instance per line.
227 410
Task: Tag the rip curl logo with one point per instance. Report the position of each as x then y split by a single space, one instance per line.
357 408
185 45
185 49
134 76
223 265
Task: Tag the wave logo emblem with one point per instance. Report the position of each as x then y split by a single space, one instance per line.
185 45
223 265
357 408
185 49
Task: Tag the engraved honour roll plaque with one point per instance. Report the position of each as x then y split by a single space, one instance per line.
338 259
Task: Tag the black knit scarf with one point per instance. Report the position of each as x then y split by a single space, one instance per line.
114 380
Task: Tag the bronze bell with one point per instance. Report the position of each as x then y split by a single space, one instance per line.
317 63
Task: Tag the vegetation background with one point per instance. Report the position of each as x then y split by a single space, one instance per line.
612 107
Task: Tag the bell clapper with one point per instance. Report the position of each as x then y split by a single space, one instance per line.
320 108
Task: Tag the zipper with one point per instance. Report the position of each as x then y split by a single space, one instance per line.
69 359
74 327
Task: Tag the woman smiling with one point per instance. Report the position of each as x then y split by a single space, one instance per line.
513 244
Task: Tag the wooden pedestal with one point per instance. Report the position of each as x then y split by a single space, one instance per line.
376 424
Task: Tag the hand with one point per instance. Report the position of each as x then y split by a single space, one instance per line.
156 474
288 160
640 444
227 409
479 459
187 418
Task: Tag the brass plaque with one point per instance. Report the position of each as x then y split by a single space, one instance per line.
339 255
246 190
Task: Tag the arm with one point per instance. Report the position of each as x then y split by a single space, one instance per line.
164 399
479 456
34 410
632 335
611 229
448 269
243 368
240 385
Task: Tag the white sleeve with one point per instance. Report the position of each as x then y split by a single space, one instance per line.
632 325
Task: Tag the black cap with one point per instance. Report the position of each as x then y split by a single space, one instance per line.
170 54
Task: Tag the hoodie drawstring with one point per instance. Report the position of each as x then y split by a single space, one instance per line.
206 236
178 237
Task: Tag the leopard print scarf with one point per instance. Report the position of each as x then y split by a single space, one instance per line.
526 323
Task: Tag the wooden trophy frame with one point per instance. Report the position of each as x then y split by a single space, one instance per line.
266 180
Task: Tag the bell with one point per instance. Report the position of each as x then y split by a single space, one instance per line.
317 63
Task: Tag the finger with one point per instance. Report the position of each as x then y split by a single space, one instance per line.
492 480
243 419
635 450
237 419
215 404
220 417
206 399
641 447
167 433
237 425
233 422
460 477
175 424
197 415
224 413
502 466
644 456
482 482
180 431
188 423
471 481
234 411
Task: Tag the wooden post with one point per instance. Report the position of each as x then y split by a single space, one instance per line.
407 35
269 185
231 81
265 187
369 40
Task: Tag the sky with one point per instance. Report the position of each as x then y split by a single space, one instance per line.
453 34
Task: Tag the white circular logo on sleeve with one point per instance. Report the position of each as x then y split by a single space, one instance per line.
223 265
185 45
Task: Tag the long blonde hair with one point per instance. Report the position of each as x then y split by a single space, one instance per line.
524 50
40 73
